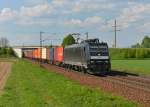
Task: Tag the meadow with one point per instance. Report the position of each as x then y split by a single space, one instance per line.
141 67
32 86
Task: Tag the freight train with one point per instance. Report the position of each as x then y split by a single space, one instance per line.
89 56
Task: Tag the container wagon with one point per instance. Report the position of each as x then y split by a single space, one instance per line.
58 55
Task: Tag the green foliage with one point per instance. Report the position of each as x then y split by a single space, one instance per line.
136 46
6 52
140 53
145 43
129 53
32 86
10 52
68 40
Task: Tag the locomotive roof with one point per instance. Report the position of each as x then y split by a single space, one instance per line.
90 41
74 45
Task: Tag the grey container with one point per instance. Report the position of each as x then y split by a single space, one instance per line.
51 55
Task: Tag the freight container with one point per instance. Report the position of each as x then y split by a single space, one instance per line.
58 55
44 54
48 54
18 52
33 53
38 53
51 55
25 54
29 53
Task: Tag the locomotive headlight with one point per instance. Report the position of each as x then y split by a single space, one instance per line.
106 61
92 61
99 54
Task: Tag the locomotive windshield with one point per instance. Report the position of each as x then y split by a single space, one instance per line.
99 51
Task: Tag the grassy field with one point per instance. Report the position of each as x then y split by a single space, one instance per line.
133 66
31 86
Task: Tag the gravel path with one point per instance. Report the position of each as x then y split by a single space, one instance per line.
5 68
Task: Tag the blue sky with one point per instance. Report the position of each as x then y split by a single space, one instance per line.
22 20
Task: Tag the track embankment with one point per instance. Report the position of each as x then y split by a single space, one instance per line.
131 87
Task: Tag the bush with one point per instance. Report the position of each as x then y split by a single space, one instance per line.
140 53
128 53
6 52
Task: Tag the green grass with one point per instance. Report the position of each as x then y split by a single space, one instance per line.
31 86
133 66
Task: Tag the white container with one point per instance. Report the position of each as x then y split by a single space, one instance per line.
18 52
43 53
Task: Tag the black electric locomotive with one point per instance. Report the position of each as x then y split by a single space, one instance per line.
89 56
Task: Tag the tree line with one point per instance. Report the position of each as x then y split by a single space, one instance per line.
69 40
129 53
137 51
5 49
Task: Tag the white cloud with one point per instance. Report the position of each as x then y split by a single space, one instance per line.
25 13
57 3
35 11
128 16
93 20
7 14
89 21
133 13
35 2
39 22
76 22
88 5
144 28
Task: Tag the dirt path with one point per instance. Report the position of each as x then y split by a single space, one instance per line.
5 68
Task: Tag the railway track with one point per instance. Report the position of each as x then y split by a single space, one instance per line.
135 82
132 87
129 83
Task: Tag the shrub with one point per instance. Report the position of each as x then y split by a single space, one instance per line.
127 53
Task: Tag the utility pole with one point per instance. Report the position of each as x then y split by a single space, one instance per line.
41 48
87 35
115 31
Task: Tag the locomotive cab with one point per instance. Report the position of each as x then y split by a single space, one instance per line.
99 60
89 55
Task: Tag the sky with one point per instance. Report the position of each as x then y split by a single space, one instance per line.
22 20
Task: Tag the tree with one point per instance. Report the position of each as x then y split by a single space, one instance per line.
146 42
4 42
136 46
68 40
10 52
